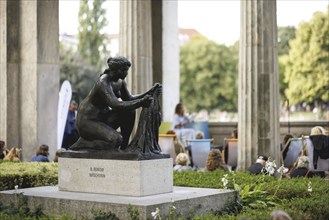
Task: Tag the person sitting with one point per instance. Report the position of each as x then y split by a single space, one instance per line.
180 122
42 154
58 153
279 215
286 139
302 168
320 143
317 130
234 134
3 150
199 135
258 167
13 155
215 161
182 161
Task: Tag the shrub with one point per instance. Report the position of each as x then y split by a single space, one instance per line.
27 174
261 194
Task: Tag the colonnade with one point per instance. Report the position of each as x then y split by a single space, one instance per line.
29 65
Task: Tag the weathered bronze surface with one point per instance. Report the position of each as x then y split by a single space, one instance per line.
110 106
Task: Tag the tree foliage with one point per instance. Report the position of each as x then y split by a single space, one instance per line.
92 39
77 71
285 34
307 66
283 85
208 75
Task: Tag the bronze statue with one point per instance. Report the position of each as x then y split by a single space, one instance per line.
109 106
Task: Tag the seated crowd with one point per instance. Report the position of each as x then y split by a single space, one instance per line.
215 159
301 167
14 153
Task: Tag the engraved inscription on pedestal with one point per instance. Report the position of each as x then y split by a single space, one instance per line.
118 177
97 172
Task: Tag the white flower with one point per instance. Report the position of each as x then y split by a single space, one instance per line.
225 181
270 167
281 169
156 214
309 186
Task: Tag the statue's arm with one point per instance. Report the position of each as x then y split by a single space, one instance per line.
113 102
127 96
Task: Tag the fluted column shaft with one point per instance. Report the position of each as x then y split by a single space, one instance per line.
136 43
258 83
29 78
170 65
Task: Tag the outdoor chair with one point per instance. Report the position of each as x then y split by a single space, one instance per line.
200 149
231 151
292 151
166 141
167 145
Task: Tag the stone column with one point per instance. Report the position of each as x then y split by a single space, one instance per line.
136 43
3 68
29 74
258 128
166 53
170 48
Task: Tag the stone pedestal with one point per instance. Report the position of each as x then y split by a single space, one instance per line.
187 200
116 177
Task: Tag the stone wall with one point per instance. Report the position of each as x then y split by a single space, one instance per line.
220 130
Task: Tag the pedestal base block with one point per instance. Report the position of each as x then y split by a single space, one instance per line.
76 205
116 177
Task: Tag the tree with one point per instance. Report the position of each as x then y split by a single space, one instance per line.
307 68
283 85
208 75
92 39
285 34
74 68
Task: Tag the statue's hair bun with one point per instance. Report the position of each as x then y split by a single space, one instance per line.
109 60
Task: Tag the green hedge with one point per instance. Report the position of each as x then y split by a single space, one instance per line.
259 194
27 174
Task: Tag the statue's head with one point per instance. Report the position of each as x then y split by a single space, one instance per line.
118 65
118 62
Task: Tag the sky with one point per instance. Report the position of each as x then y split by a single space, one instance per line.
218 20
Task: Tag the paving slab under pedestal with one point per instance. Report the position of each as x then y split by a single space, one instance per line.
185 199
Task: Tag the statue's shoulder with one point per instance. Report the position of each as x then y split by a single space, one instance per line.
103 80
103 77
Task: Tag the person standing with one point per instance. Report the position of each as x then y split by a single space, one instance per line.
71 134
